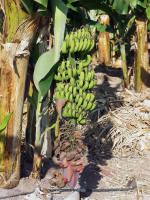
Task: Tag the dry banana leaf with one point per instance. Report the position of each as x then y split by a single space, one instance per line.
57 175
57 151
59 104
78 135
71 155
65 145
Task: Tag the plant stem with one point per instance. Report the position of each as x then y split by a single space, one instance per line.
37 147
124 66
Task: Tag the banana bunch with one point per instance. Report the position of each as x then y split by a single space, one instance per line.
78 41
75 83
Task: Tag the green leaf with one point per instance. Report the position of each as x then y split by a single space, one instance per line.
59 10
31 100
117 48
142 3
28 4
148 12
100 27
52 126
46 64
121 6
43 66
43 2
42 10
5 121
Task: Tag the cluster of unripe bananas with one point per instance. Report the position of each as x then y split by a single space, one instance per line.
78 41
75 83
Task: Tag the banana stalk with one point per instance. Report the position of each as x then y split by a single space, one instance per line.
124 66
141 72
12 84
104 43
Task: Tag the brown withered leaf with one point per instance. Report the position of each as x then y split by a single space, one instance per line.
78 135
79 149
52 183
57 175
59 135
65 145
57 151
71 155
55 145
59 104
77 157
61 184
83 146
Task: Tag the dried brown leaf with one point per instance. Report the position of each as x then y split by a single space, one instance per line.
59 104
71 155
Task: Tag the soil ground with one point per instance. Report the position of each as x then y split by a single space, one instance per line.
103 170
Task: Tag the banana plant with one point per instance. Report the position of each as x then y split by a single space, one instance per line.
117 10
141 64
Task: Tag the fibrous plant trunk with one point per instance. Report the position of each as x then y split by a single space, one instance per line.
13 67
104 43
141 56
124 65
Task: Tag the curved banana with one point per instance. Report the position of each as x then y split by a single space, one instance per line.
81 44
64 47
93 106
84 104
71 38
86 85
72 46
74 71
80 101
91 84
84 44
67 38
90 104
82 121
74 91
89 59
77 98
77 43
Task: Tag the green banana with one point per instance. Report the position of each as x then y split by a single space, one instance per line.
72 81
86 85
89 106
56 94
71 38
74 71
91 84
71 97
67 40
88 96
74 91
81 83
89 59
92 97
80 67
80 101
69 72
64 113
77 98
69 105
77 43
66 88
70 88
82 121
95 82
84 44
62 94
82 75
69 112
93 106
79 33
80 117
77 114
81 44
80 91
67 63
80 110
91 45
84 95
72 46
84 104
67 95
58 77
64 47
83 32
